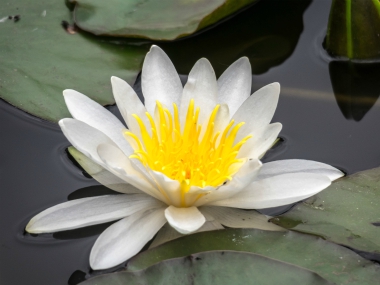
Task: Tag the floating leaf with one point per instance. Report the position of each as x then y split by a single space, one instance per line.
356 87
158 20
333 262
345 213
353 30
215 267
39 59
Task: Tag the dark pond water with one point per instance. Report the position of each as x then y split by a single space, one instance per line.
328 110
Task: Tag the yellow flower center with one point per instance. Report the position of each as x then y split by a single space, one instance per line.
188 157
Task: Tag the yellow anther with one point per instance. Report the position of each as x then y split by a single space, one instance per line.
181 153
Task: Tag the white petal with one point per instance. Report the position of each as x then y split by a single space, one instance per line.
160 80
129 103
237 218
86 110
125 238
121 166
167 233
260 142
202 87
222 119
288 166
102 175
241 179
234 85
277 191
257 111
168 187
89 211
184 220
84 137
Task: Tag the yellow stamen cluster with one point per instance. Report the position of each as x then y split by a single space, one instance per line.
188 157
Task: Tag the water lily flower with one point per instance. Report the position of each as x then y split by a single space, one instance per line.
190 156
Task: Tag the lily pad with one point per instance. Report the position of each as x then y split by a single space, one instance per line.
335 263
353 30
216 267
158 20
39 59
347 213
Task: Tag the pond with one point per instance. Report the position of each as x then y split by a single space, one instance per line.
328 110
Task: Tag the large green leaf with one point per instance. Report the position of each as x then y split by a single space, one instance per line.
333 262
347 213
215 267
39 59
353 30
158 20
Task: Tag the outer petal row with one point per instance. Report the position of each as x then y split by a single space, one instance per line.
89 211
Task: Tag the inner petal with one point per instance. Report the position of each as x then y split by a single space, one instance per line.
185 156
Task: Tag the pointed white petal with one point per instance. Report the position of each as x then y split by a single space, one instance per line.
260 142
257 111
120 165
89 211
168 187
129 103
167 233
277 191
102 175
202 87
184 220
288 166
234 85
237 218
86 110
125 238
222 119
160 80
241 179
84 137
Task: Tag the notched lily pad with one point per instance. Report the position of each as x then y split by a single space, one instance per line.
334 263
344 213
215 267
158 20
39 59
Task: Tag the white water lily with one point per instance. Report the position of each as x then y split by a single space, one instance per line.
189 156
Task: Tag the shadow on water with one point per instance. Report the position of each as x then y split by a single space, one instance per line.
356 87
266 40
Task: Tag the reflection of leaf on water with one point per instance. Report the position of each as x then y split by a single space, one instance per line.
267 33
356 87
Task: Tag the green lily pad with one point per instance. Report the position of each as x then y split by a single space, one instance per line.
158 20
335 263
353 30
215 267
39 59
347 213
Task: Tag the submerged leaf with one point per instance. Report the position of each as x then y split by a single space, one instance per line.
158 20
215 267
345 213
335 263
42 54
